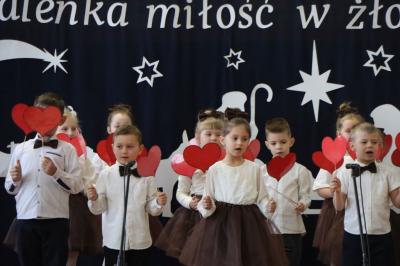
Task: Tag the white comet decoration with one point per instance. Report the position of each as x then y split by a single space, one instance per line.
14 49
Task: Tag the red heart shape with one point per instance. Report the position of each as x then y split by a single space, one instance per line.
279 166
181 167
17 114
334 150
252 150
109 146
147 164
103 153
398 141
42 120
75 141
322 162
202 158
396 158
383 151
143 152
351 152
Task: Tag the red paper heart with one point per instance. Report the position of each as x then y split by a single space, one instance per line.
383 151
398 141
279 166
351 152
334 150
17 114
181 167
147 164
109 146
322 162
42 120
75 141
103 153
202 158
143 152
396 158
252 150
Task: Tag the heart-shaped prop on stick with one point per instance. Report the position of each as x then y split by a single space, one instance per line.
383 151
78 142
147 164
202 158
252 150
181 167
279 166
17 114
322 162
334 150
42 120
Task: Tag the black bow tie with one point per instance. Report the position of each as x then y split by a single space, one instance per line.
370 167
124 171
53 143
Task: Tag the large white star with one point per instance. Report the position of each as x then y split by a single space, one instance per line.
315 86
146 63
236 59
381 53
55 60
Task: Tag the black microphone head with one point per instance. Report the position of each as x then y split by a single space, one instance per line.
130 164
352 166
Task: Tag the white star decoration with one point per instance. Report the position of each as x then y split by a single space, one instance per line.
236 59
55 61
315 86
146 63
381 53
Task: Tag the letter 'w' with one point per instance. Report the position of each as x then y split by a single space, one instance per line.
313 16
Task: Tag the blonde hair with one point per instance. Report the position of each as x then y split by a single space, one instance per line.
120 109
347 112
367 128
209 119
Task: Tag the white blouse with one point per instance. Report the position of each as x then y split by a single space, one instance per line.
190 186
239 185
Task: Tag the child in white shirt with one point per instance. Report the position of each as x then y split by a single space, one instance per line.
107 197
295 184
377 184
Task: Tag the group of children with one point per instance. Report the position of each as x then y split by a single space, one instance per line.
235 213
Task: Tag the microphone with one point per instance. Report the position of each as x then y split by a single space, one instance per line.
130 164
352 166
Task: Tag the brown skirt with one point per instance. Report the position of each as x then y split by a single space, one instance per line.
235 235
155 227
395 224
85 228
176 231
11 238
330 251
324 223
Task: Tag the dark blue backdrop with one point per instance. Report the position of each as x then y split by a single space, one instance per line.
169 69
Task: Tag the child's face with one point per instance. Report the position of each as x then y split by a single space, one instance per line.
118 120
209 136
70 127
126 148
365 146
236 142
279 143
347 126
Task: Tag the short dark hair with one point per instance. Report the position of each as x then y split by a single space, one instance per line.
120 109
277 125
129 130
50 99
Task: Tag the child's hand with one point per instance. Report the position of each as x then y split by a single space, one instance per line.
48 166
194 202
161 198
335 185
92 192
271 207
15 172
300 208
207 202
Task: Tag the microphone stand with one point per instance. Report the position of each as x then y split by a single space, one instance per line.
356 172
121 253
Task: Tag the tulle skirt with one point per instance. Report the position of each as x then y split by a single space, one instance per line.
85 228
155 227
330 252
325 221
395 224
235 235
176 231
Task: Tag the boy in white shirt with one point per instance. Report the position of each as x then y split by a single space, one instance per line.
295 184
377 184
43 173
107 197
